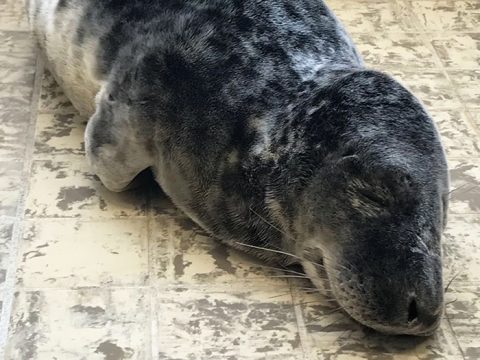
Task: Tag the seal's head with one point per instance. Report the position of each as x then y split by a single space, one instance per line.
374 205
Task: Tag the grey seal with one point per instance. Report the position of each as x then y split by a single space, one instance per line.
260 121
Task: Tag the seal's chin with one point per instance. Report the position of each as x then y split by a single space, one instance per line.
413 329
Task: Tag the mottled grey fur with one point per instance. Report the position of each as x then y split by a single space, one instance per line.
260 121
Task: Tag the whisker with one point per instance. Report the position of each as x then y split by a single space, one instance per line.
458 188
280 269
328 313
463 192
314 289
449 322
324 256
452 280
267 249
280 295
284 233
307 288
289 237
318 291
269 223
450 302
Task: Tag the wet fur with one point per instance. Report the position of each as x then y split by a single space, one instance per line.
260 121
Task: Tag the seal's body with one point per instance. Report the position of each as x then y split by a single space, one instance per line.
259 120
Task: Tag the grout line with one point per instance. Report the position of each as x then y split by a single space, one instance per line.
166 285
18 225
454 335
471 120
150 219
154 335
151 291
308 349
84 219
457 158
445 34
437 68
451 214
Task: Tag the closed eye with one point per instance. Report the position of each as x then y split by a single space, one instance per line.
373 198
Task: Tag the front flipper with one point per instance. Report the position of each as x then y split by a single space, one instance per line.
117 146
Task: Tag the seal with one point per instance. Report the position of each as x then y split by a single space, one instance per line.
260 121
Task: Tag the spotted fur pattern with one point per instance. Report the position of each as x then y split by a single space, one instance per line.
260 121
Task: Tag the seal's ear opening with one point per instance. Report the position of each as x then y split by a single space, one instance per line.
402 188
350 161
399 181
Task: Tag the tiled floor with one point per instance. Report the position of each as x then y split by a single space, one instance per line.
87 274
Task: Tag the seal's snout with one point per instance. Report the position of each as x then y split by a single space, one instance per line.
404 302
397 293
414 309
424 296
407 313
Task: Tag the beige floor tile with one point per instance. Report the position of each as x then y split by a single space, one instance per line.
69 189
197 258
398 50
461 51
461 250
16 42
465 186
59 134
2 290
6 228
13 129
475 115
12 103
21 62
447 15
13 15
52 98
6 232
14 96
93 324
16 91
459 137
371 16
4 261
467 84
230 323
334 335
10 192
72 253
17 75
431 86
464 315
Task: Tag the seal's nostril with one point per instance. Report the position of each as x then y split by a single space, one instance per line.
412 311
